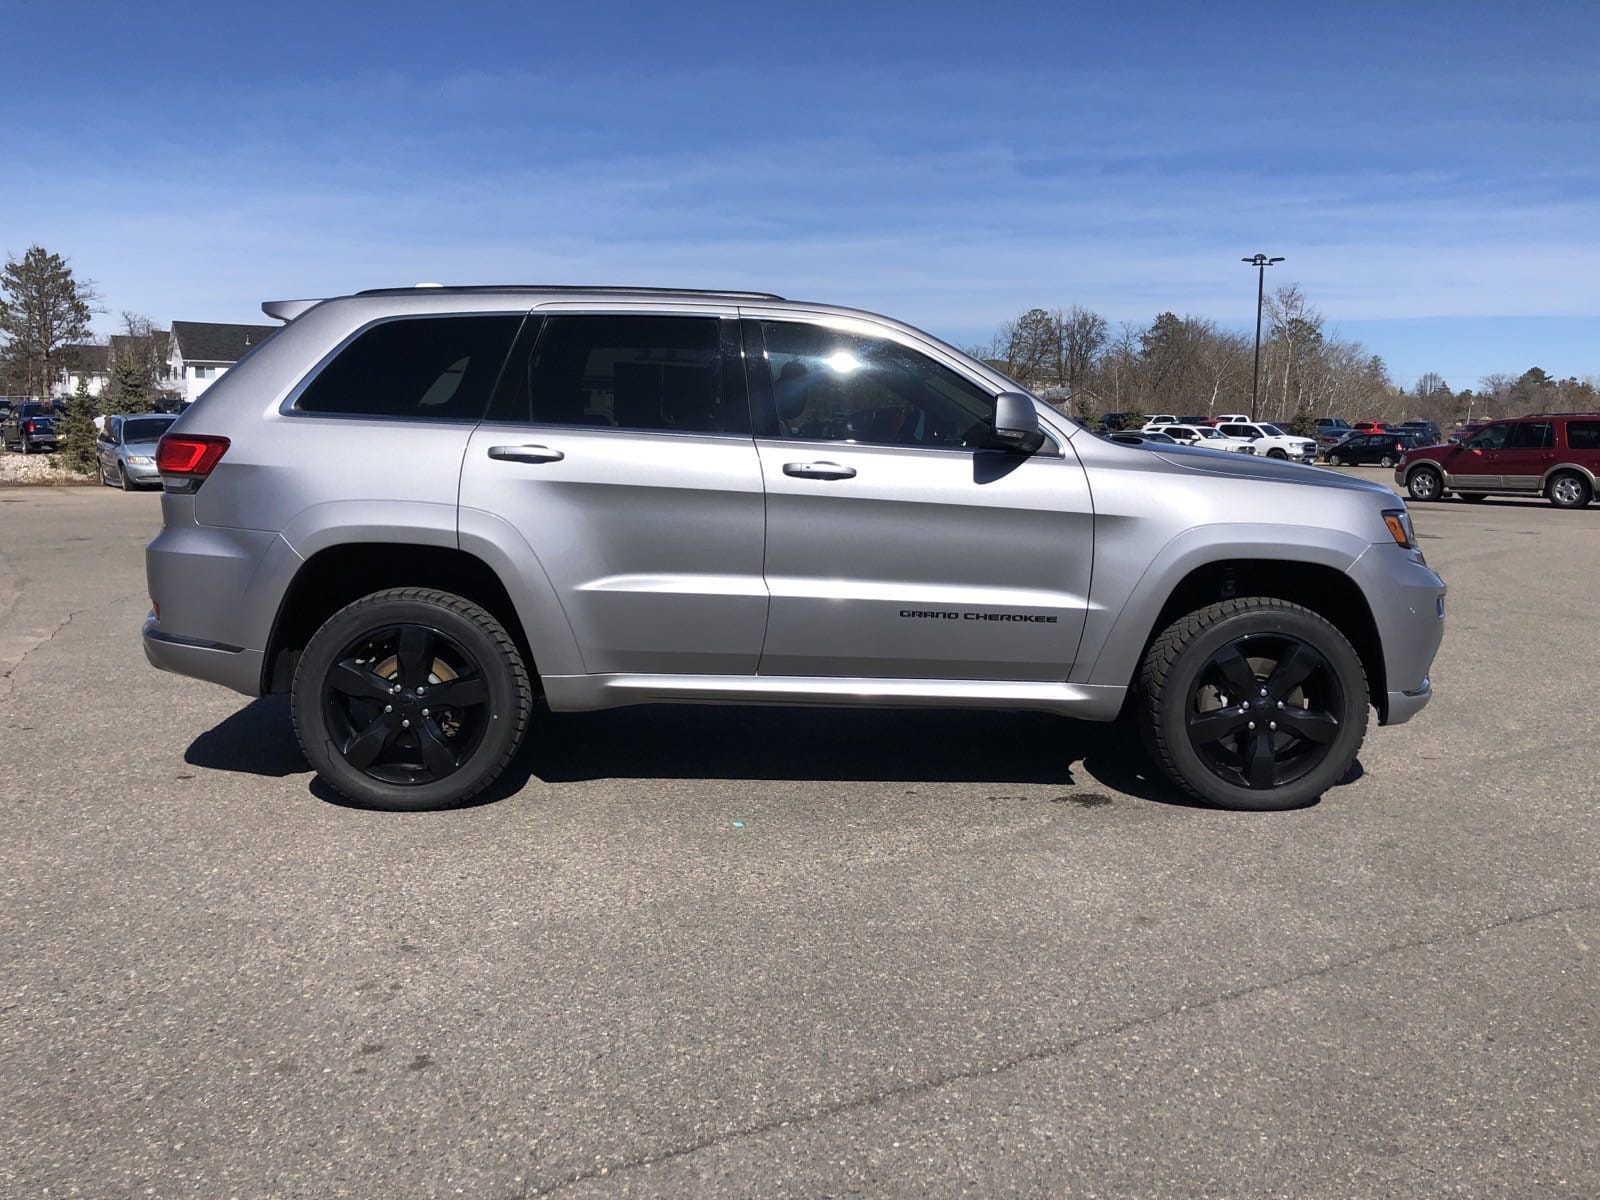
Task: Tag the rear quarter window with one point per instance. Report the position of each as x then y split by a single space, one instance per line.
1583 435
421 368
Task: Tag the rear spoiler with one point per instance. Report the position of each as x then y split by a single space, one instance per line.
287 310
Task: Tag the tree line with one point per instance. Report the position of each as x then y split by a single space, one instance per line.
1191 366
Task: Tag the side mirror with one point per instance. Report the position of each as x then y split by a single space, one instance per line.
1016 423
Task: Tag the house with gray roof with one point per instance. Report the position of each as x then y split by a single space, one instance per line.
87 362
201 351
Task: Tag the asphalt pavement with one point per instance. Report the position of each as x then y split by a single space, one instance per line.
712 951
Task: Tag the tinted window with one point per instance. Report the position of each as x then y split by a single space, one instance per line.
1179 431
145 429
1239 431
1531 435
422 367
834 386
1583 435
1490 437
632 372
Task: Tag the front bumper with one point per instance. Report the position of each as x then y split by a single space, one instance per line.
1407 601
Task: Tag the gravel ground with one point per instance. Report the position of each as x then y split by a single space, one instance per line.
25 469
770 953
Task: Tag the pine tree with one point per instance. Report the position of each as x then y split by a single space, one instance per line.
127 393
76 450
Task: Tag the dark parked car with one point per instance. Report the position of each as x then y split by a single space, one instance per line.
1363 449
30 428
1112 422
1428 431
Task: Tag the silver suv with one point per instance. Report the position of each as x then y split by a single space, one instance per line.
418 510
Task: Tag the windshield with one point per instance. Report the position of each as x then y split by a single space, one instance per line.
1274 431
1206 431
145 429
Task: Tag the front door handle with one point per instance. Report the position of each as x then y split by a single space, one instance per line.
819 470
527 454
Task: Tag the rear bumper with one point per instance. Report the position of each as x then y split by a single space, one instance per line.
231 666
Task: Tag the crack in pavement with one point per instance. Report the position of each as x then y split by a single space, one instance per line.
6 675
1043 1053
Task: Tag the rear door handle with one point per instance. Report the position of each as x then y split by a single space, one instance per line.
527 454
819 470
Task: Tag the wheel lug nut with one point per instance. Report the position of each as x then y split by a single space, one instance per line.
1263 691
424 712
420 691
388 708
405 724
1272 724
1252 724
1280 703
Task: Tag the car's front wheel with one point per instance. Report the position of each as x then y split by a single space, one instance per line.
1255 704
411 699
1386 461
1335 461
1277 454
1425 483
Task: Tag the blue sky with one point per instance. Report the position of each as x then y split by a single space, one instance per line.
1429 171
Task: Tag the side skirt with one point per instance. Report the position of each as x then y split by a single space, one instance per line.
583 693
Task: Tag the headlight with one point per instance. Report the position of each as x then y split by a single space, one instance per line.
139 460
1399 522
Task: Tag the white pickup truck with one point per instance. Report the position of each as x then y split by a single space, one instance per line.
1271 441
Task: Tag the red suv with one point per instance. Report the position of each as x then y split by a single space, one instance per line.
1555 455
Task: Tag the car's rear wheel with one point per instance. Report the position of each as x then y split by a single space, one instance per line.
1425 483
1569 490
1254 704
1386 461
411 699
1335 461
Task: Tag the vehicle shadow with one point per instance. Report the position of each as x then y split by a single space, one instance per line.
716 742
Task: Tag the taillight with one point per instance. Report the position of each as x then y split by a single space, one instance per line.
189 456
27 427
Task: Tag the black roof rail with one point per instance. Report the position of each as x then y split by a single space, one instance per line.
606 289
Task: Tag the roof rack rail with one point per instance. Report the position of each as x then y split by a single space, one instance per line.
1567 412
607 289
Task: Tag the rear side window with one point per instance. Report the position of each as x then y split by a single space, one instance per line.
424 368
653 373
1583 435
1531 435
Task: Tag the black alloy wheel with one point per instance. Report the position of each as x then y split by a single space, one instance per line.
1255 704
1264 710
407 704
411 699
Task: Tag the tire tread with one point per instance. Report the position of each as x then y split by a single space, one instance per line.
1163 654
489 624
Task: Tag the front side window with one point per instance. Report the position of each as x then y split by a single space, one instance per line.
1241 431
424 368
827 385
1490 437
1531 435
1583 435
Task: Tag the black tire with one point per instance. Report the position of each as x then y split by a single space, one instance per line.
1568 489
1335 461
1277 454
122 478
1180 701
1425 483
472 646
1386 461
1472 497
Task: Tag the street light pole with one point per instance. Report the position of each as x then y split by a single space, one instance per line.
1261 262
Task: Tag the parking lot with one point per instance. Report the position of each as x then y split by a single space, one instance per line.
795 953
